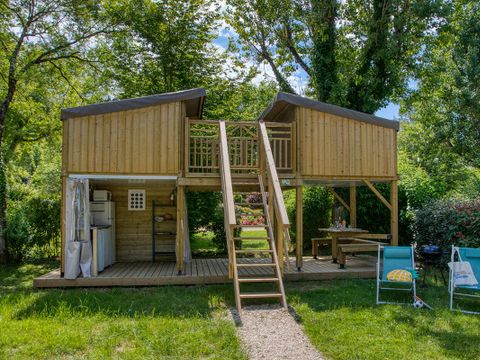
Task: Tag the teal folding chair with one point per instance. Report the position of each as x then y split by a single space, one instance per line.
471 255
395 258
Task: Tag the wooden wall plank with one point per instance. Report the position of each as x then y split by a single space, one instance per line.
340 147
134 228
142 141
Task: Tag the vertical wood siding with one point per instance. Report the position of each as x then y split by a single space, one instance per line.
339 147
142 141
134 228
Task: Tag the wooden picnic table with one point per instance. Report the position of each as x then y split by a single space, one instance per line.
336 233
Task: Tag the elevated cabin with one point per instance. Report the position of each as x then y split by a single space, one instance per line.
143 154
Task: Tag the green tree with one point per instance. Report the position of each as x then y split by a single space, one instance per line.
161 46
446 103
36 37
357 54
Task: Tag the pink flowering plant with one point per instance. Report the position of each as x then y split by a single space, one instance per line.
448 222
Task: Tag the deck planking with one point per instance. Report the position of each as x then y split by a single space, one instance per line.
208 271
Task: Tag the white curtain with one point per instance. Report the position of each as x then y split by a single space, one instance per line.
78 247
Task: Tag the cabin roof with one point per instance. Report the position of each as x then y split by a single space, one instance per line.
194 99
283 101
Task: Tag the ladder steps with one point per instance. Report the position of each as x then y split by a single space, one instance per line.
248 204
266 238
249 265
250 214
253 251
252 226
260 295
257 280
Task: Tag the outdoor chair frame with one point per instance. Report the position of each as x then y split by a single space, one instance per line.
381 274
451 283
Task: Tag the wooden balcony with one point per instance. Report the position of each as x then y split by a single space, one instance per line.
202 147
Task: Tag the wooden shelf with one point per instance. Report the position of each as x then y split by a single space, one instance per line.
158 234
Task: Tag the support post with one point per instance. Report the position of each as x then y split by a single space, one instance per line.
299 222
231 244
394 212
353 206
280 244
94 252
271 208
180 225
63 224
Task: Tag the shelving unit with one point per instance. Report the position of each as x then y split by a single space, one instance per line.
159 233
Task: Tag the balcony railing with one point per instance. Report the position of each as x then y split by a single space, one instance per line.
203 146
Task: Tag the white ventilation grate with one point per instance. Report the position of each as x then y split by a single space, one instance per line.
136 200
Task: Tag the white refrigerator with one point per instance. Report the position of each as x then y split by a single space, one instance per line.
103 216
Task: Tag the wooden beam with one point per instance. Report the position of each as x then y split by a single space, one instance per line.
353 206
380 196
394 212
299 232
180 227
340 200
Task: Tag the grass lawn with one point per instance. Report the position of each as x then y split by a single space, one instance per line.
342 322
189 322
162 322
203 246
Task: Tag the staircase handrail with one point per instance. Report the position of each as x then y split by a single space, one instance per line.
281 210
228 205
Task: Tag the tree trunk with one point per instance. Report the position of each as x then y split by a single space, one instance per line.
3 209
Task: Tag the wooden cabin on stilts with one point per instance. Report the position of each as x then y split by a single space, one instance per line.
127 166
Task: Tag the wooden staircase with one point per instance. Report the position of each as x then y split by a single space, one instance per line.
266 270
271 262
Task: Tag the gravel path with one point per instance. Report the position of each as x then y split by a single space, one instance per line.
271 332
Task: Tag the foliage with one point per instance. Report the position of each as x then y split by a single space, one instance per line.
448 222
356 54
34 201
237 99
43 43
217 226
441 144
161 46
317 204
201 205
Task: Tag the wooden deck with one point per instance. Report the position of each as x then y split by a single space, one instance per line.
207 271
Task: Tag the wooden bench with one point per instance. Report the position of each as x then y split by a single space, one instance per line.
316 242
364 243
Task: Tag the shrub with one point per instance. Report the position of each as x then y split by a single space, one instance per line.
33 228
201 205
217 226
17 234
448 222
317 205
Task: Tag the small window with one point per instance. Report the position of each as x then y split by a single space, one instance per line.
136 200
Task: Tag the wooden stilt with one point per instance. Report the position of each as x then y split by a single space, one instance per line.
180 226
353 206
394 212
299 221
